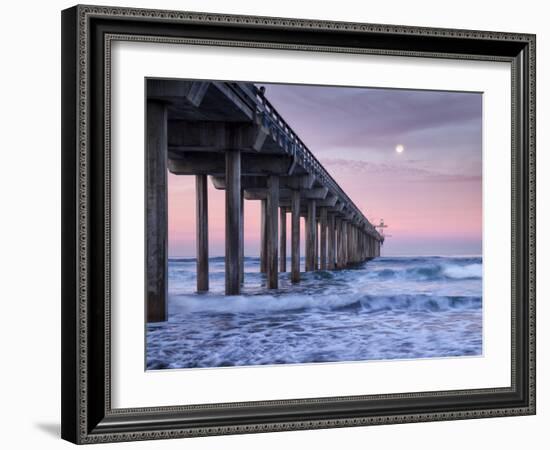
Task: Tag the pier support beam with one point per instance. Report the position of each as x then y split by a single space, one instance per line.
201 192
367 246
331 263
360 254
232 221
338 243
356 248
282 243
323 241
342 255
241 241
272 231
345 236
371 246
295 245
263 238
351 259
310 235
353 245
316 253
157 211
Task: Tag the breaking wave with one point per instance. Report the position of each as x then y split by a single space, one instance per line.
433 271
300 303
387 308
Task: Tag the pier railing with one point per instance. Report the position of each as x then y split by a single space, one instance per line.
283 133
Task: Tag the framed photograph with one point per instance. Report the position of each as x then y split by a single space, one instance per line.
279 224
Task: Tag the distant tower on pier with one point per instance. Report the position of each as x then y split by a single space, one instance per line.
381 227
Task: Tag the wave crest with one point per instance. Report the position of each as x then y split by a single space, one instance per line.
433 272
463 272
299 303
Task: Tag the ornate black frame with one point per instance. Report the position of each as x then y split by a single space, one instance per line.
87 416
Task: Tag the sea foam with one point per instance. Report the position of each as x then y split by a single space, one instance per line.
388 308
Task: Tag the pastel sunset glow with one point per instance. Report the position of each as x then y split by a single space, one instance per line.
411 158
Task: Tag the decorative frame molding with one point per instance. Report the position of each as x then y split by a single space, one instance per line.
88 31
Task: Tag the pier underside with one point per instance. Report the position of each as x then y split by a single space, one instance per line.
230 134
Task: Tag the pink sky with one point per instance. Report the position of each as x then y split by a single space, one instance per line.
429 195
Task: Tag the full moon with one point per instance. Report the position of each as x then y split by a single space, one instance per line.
399 148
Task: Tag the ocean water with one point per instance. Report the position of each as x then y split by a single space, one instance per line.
387 308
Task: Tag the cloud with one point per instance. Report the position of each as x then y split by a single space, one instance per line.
327 116
404 172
